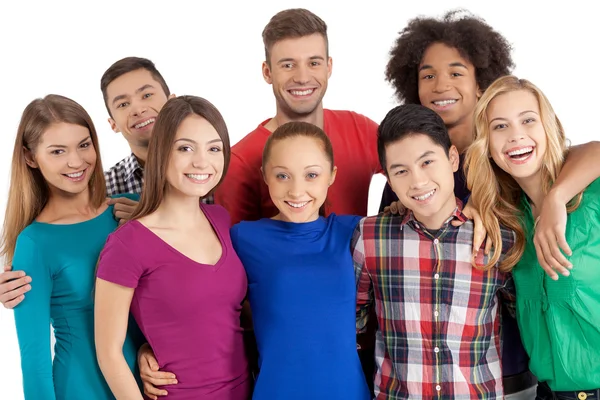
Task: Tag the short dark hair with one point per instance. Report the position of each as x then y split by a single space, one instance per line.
292 23
126 65
475 40
411 119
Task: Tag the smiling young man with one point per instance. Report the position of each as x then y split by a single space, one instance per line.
298 67
438 316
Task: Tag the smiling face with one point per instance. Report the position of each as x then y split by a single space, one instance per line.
448 85
517 141
422 176
196 163
298 174
66 157
134 100
298 70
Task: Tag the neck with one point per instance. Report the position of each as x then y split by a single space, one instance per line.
179 210
282 117
436 220
461 136
60 203
141 153
532 187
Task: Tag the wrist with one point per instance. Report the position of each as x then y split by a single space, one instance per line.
558 194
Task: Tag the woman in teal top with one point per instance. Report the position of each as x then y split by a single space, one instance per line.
519 151
56 224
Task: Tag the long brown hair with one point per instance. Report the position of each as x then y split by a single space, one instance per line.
164 132
28 193
494 193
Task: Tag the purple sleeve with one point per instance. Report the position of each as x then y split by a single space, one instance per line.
118 265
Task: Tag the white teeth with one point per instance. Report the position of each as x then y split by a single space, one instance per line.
425 196
297 205
198 177
524 150
301 92
75 174
444 102
143 124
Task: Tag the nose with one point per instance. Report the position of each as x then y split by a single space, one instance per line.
419 179
442 84
137 108
516 134
296 189
74 160
200 160
302 75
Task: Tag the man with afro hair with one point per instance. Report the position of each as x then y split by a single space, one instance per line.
446 64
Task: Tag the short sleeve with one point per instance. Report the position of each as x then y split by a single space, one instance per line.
32 319
130 196
118 265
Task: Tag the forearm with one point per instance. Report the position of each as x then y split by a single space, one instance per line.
118 375
580 169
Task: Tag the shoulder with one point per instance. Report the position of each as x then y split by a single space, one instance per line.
346 117
344 221
130 196
591 194
508 237
217 212
251 144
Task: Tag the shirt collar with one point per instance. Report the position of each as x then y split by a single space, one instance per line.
131 166
409 217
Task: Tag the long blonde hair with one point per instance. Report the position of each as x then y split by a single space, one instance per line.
494 193
28 193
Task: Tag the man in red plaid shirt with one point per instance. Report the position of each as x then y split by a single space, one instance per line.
438 316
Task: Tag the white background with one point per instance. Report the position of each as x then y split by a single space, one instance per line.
214 49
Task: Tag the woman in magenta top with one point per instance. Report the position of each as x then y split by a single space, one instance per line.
174 265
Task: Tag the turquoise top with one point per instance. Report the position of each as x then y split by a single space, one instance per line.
61 260
560 320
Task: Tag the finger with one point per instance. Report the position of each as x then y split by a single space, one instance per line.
153 392
13 294
488 245
394 208
457 222
124 208
8 268
13 303
159 381
124 201
386 209
542 261
15 284
553 255
10 275
562 243
122 221
122 215
478 238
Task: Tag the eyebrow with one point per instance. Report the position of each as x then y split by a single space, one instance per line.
454 64
426 154
194 142
288 59
307 167
124 96
60 146
520 114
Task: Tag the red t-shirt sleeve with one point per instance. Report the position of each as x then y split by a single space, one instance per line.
239 192
118 265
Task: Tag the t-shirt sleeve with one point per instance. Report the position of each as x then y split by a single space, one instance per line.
118 265
239 192
32 319
130 196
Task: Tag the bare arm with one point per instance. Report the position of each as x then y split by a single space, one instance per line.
111 314
581 168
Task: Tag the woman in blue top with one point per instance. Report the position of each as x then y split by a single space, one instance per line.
56 224
302 288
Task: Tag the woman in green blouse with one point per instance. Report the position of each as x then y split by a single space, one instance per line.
519 150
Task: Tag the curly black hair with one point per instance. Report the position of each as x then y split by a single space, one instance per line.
476 41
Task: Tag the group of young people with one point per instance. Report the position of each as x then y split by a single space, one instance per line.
248 271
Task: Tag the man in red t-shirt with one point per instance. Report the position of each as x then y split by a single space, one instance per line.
298 66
